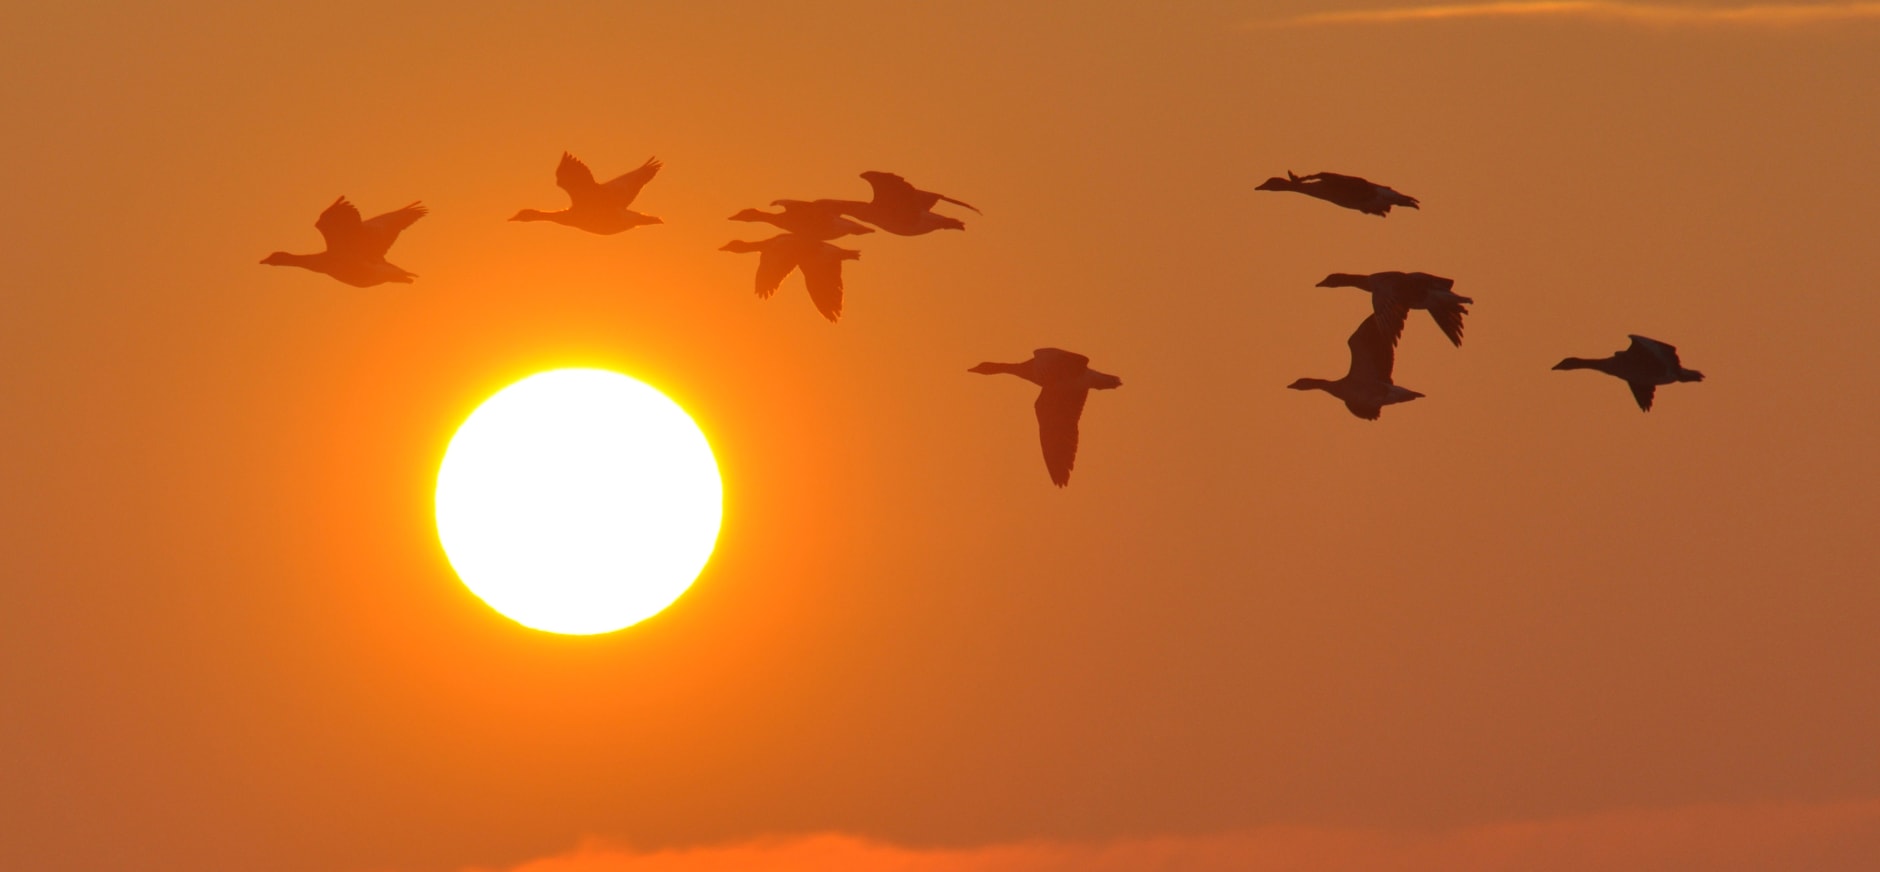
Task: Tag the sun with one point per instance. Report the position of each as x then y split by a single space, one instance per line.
578 501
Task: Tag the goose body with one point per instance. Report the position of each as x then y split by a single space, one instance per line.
813 219
1350 192
820 262
1643 366
1394 294
1066 380
594 206
1366 387
355 249
900 208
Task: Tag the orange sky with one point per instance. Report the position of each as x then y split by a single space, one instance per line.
228 639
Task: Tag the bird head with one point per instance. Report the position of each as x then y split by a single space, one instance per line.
1341 280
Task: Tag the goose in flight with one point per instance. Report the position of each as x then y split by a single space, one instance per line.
1644 365
900 208
1394 294
1366 387
595 207
1066 379
820 262
1350 192
355 249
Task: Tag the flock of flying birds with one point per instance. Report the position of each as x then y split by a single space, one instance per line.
356 248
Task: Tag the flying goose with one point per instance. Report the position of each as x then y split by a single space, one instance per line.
1394 294
820 262
1366 387
595 207
1350 192
814 219
355 249
1066 379
1644 365
900 208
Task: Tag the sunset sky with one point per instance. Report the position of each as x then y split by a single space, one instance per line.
1514 625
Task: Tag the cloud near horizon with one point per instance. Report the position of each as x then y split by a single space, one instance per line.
1832 837
1601 10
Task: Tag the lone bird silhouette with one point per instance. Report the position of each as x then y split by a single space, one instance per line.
1394 294
1350 192
1644 365
355 249
820 262
1066 379
1366 387
900 208
815 219
594 207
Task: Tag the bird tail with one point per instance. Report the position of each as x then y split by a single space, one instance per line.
1689 375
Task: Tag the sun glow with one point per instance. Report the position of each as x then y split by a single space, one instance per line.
578 501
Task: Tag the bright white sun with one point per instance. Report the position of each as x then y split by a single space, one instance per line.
578 501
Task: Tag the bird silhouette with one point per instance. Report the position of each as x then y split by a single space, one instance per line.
1394 294
815 219
900 208
1366 387
1350 192
1643 365
820 262
1066 380
594 207
355 249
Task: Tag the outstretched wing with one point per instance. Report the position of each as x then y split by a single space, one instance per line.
573 176
1652 350
1372 357
890 188
1058 409
1390 311
1642 391
1448 316
339 225
822 276
774 262
625 187
378 233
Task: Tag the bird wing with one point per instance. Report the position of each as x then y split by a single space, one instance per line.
1058 408
573 176
380 231
339 226
889 187
1642 391
1389 308
775 260
1649 349
623 188
822 275
1372 357
953 201
1448 316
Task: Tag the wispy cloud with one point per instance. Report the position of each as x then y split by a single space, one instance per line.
1605 10
1839 837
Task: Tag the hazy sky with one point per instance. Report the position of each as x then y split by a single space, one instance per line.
1517 624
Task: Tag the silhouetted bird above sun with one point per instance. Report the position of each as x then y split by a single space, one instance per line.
355 249
1644 365
817 219
1350 192
1394 294
1366 387
1066 379
820 262
900 208
595 207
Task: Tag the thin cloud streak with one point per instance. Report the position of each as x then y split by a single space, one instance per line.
1833 837
1600 10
